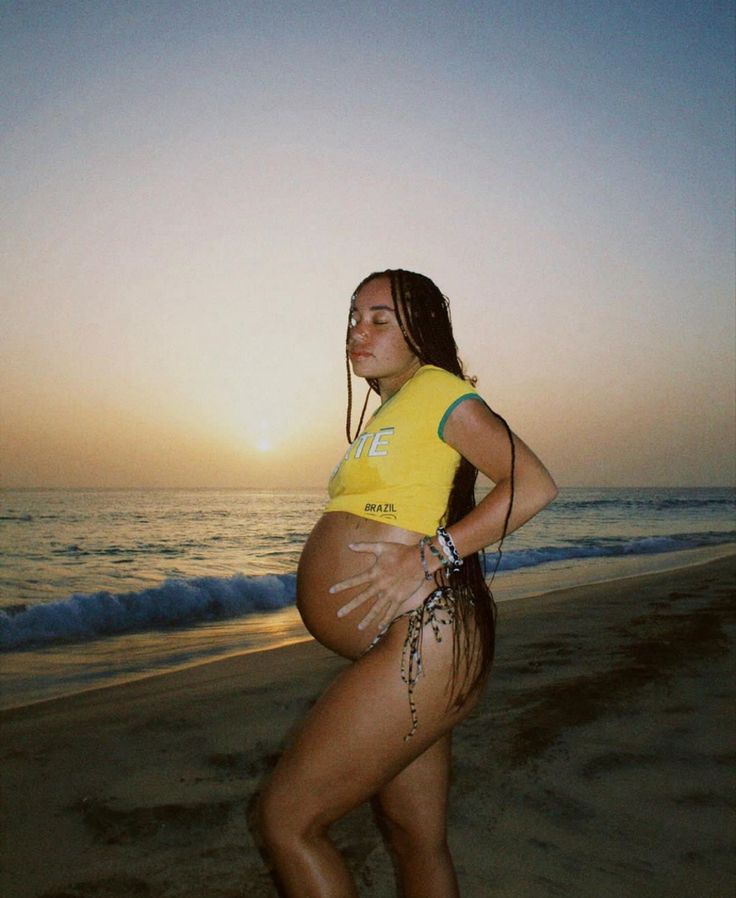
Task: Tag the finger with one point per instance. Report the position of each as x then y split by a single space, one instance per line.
373 548
385 611
354 603
390 614
357 580
393 609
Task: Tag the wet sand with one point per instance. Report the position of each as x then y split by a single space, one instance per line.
599 763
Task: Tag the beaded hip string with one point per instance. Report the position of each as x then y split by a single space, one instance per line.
436 610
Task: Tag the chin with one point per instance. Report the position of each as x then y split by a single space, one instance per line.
361 368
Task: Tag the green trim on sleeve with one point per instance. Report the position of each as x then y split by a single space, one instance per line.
441 425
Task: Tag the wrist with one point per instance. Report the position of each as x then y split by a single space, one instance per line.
437 559
429 557
450 556
432 558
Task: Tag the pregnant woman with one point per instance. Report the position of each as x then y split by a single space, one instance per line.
391 578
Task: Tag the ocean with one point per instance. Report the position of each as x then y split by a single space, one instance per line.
100 586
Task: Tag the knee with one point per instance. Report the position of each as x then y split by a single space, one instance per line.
275 823
283 822
413 838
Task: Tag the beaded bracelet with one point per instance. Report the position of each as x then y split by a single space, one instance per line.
437 554
448 547
424 541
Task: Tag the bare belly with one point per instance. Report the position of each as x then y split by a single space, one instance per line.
326 560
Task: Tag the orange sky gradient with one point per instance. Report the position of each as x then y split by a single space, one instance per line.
191 192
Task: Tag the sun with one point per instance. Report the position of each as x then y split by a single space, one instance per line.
264 438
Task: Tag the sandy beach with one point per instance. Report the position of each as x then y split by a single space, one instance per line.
599 763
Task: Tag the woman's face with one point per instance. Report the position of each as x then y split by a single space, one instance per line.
376 347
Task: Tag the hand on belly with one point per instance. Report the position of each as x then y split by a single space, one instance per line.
327 560
388 587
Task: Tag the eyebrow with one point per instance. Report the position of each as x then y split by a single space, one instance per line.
391 309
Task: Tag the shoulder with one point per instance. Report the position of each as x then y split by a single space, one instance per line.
431 378
440 393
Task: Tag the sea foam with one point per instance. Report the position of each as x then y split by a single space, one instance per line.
175 602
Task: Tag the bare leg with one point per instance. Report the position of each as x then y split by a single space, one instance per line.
412 809
350 746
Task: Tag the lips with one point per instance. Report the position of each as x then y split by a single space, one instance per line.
359 354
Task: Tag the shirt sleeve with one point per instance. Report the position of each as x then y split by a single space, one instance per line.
442 392
451 408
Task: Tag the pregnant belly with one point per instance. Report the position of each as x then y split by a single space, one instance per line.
326 560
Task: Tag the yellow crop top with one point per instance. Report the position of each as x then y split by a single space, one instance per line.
399 470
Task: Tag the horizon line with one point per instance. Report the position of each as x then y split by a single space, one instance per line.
141 488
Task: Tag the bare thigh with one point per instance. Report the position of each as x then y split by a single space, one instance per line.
414 802
351 744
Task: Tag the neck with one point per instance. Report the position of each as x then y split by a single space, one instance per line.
387 386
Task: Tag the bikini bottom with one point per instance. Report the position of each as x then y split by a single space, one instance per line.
438 609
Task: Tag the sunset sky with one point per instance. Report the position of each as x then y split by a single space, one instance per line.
191 191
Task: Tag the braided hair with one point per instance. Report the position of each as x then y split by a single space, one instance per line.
423 314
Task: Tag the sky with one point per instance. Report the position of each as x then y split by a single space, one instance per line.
190 192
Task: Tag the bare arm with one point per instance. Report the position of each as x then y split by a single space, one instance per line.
479 435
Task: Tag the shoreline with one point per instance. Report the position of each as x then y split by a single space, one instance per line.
599 761
629 567
509 588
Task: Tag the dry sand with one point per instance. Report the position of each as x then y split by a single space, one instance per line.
600 763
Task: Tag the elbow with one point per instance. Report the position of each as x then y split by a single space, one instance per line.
535 489
545 492
551 491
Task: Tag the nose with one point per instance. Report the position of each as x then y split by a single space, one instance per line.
358 331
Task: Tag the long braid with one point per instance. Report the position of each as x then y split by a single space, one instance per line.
350 406
372 386
423 314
